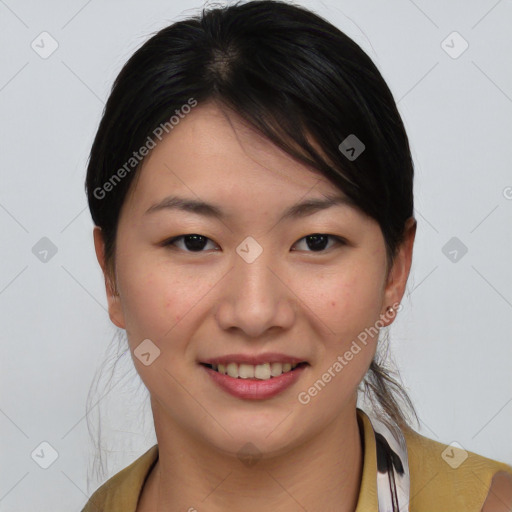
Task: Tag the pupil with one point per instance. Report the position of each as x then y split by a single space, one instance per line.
319 241
195 242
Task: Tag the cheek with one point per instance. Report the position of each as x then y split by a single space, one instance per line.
157 297
150 298
349 299
349 303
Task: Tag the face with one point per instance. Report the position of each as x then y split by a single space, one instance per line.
244 282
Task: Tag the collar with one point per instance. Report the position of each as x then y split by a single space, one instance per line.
385 455
385 478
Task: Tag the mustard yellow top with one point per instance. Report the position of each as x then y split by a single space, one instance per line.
436 486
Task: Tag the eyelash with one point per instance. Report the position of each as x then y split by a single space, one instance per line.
172 241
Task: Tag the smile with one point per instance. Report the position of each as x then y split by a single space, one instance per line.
264 371
254 381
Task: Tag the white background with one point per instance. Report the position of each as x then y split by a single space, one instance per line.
453 339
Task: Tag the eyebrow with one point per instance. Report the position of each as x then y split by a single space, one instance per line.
303 209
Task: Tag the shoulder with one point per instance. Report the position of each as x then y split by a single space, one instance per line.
499 498
446 475
121 492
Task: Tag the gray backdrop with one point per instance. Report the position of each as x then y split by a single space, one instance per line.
448 66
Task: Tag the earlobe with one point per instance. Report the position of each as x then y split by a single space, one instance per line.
115 310
399 273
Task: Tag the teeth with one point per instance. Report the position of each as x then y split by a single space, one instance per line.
232 370
246 371
276 369
263 371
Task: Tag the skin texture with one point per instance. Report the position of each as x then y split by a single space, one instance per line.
499 498
292 299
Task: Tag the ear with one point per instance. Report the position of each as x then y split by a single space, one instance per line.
399 273
115 310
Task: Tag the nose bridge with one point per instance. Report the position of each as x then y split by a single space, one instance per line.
255 283
255 299
253 278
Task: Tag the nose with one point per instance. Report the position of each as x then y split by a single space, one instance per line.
255 297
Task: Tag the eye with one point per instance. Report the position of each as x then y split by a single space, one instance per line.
317 241
192 242
196 243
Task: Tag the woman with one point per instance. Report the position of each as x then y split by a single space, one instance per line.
251 184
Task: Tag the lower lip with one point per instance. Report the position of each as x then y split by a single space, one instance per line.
255 389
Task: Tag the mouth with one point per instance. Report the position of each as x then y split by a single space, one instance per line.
254 377
263 371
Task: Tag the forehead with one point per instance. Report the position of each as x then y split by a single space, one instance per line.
213 155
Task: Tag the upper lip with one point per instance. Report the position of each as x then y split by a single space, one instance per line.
254 359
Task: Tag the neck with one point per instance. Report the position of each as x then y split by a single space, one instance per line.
322 474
